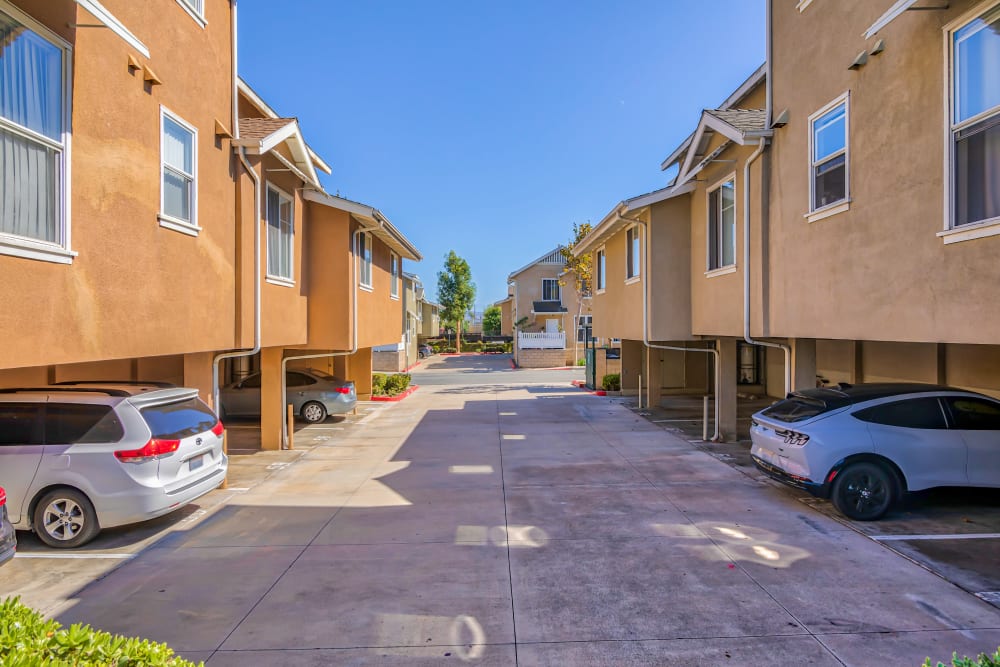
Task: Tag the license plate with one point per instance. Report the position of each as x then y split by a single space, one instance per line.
196 462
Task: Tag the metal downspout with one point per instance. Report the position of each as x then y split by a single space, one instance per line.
746 269
645 325
340 353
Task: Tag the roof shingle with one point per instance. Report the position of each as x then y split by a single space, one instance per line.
259 128
744 120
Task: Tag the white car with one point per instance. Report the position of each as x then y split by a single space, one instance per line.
864 446
79 457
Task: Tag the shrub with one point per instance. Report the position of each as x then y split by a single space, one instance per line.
473 346
397 383
612 382
26 638
581 362
447 350
495 348
378 384
983 660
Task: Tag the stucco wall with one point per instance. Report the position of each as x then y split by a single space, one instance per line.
618 309
669 270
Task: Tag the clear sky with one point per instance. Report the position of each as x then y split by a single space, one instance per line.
491 127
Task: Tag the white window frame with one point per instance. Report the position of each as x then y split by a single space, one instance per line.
844 204
633 235
558 290
581 324
191 227
991 227
194 12
28 248
600 270
726 268
365 261
275 278
394 273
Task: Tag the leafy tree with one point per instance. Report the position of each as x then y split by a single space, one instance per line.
579 270
456 292
492 320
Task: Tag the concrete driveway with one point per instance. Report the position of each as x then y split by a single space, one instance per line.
502 522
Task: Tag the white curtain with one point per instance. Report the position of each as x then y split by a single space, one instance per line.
30 97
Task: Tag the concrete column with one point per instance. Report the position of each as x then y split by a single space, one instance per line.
652 377
359 369
858 370
272 403
632 366
803 363
198 374
728 364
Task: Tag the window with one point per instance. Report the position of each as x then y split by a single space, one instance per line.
828 155
975 121
632 253
394 285
178 191
298 380
175 421
974 414
583 323
601 270
280 235
71 423
365 259
19 424
34 99
550 289
722 225
196 8
909 413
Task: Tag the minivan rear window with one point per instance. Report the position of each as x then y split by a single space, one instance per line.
174 421
72 423
796 409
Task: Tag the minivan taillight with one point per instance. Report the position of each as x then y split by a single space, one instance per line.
152 448
3 497
218 428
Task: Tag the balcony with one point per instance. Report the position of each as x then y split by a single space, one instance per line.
541 340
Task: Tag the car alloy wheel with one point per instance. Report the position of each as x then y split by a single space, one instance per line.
65 518
313 412
863 491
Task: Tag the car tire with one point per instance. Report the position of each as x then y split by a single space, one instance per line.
65 519
864 491
313 412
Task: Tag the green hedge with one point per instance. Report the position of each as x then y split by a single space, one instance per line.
27 639
581 362
612 382
983 660
390 385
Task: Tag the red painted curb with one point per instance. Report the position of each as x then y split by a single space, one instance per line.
398 397
513 365
579 384
407 370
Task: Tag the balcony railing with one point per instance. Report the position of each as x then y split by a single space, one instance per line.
541 340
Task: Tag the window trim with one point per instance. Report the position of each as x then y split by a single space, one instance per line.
558 290
840 205
630 279
366 264
394 275
166 220
193 13
952 233
723 268
274 278
37 249
601 272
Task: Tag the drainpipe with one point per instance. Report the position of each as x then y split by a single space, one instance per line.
746 268
645 326
768 91
341 353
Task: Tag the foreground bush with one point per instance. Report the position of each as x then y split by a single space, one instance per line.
27 639
378 384
581 362
612 382
389 385
983 660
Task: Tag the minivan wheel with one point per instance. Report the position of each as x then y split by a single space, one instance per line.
864 491
313 412
65 519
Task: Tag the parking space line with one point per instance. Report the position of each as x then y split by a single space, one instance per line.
22 554
959 536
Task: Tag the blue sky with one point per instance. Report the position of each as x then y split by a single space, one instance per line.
490 128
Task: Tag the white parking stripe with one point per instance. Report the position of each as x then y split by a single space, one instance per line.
961 536
22 554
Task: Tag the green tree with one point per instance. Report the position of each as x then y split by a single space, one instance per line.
456 292
491 320
579 270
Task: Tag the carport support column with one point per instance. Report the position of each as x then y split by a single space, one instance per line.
272 404
359 369
803 363
198 375
727 389
652 377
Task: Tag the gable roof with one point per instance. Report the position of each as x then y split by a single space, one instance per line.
551 257
262 135
738 126
372 220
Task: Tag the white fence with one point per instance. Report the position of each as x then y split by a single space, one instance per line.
543 340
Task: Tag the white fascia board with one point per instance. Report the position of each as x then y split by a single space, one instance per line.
890 15
643 201
301 153
689 175
527 266
673 157
258 102
752 82
724 128
608 226
354 208
682 174
304 177
402 245
107 18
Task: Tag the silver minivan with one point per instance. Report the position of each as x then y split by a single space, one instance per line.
79 457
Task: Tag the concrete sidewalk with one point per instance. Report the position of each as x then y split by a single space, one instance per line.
527 524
